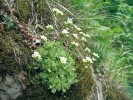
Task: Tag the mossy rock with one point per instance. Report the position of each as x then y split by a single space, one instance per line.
14 55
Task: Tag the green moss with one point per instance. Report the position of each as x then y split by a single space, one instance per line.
22 9
14 56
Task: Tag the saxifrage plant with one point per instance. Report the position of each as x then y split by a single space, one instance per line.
56 65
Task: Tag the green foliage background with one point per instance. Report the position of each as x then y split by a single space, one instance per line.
109 22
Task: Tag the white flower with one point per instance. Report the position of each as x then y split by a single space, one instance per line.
74 43
43 38
50 27
96 55
87 49
77 28
65 31
63 60
57 11
75 35
69 21
83 39
36 55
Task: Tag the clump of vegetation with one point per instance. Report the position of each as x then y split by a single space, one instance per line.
56 66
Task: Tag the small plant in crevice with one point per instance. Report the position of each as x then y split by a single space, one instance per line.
8 21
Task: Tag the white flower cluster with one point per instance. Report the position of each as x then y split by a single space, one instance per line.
74 43
87 59
75 35
57 11
69 21
44 38
63 60
93 59
83 39
50 27
87 50
77 28
85 35
96 55
82 33
65 31
36 55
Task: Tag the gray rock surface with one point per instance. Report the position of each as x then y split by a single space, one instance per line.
11 86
